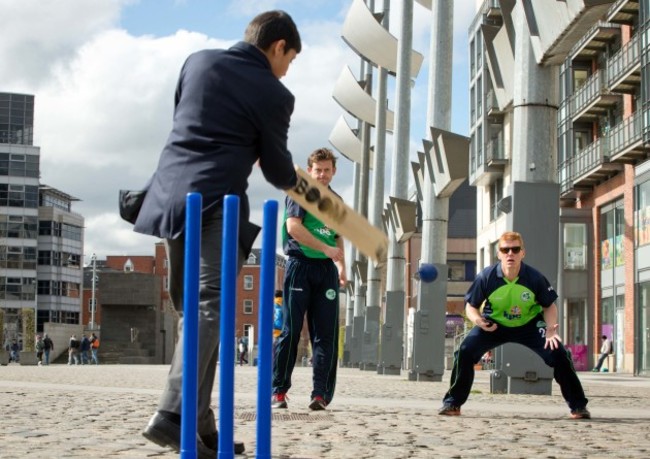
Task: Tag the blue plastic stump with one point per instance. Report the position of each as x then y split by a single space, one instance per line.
265 330
229 249
190 325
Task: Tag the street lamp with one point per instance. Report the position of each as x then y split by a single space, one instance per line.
93 260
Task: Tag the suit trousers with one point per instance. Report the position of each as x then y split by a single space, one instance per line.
532 335
209 314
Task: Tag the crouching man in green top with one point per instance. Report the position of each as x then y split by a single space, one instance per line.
519 308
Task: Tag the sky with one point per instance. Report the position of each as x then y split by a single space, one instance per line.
104 71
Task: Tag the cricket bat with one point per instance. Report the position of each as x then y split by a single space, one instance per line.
319 201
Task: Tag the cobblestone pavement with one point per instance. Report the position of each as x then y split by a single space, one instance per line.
99 411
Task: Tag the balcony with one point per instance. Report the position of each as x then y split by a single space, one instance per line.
595 41
592 99
492 8
591 166
624 67
491 166
626 141
623 12
492 105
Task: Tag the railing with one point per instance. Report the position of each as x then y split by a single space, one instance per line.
625 133
590 157
589 35
494 150
626 57
587 92
491 101
487 5
565 176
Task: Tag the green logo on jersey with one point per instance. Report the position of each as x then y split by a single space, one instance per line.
525 296
330 294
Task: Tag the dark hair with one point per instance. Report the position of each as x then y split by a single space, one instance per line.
278 294
321 154
604 336
271 26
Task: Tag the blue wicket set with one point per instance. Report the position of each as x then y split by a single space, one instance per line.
230 247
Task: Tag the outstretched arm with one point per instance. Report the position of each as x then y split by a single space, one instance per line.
553 339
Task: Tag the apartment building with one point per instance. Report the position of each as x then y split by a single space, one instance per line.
598 56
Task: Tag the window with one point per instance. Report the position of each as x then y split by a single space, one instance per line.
642 214
579 78
457 271
92 304
496 194
248 282
128 266
612 225
252 259
575 246
248 306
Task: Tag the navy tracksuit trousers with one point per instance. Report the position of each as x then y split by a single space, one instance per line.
310 286
532 335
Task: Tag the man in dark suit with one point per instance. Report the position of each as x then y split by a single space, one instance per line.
231 111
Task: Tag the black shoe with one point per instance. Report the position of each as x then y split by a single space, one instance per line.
317 403
167 433
212 442
164 429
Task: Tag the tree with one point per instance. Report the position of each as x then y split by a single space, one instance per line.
29 329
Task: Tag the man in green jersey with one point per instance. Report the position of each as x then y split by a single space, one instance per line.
518 307
314 271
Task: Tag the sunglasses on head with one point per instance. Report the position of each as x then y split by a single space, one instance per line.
510 249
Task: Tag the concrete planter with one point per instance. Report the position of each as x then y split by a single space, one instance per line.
4 358
28 358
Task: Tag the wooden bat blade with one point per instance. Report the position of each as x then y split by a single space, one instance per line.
319 201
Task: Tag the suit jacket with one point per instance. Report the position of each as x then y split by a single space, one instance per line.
230 110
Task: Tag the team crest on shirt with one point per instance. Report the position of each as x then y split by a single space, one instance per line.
330 294
513 314
525 296
325 231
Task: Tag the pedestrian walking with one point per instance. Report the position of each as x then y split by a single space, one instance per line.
243 350
605 350
313 273
48 346
40 348
94 348
84 350
73 350
518 307
231 111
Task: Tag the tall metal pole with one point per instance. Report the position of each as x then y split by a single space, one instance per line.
93 259
373 297
349 348
393 328
428 337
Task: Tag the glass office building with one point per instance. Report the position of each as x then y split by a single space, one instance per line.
25 210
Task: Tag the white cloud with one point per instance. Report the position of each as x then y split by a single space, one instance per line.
104 99
36 34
